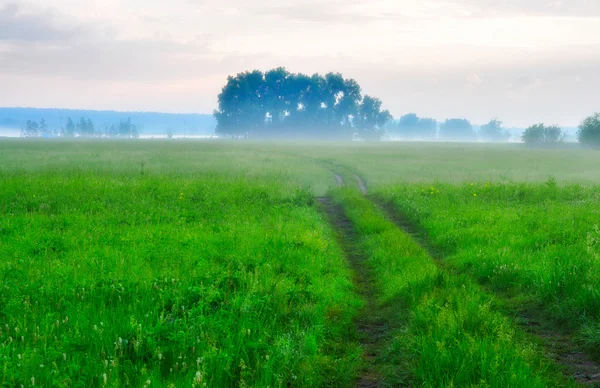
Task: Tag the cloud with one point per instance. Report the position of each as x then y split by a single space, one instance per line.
19 24
473 82
578 8
332 11
143 60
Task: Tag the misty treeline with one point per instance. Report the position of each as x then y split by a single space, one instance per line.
280 104
588 133
82 128
155 123
413 127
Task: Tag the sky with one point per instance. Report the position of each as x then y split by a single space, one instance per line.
522 61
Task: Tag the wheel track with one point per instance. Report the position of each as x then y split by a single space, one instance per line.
559 346
373 322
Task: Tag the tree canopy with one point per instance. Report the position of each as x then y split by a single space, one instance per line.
411 126
280 104
457 129
589 131
542 135
493 132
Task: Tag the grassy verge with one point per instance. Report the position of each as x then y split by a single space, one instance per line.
451 334
170 280
537 243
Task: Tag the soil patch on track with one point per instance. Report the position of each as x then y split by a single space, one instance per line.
374 322
361 185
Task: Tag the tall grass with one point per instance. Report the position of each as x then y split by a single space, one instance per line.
536 242
451 333
114 276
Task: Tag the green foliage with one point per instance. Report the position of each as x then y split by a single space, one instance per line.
370 120
493 132
117 258
127 130
31 129
85 128
589 131
178 276
411 126
540 135
69 128
457 129
279 104
451 334
537 241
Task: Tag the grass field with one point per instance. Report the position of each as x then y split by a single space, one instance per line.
157 263
538 243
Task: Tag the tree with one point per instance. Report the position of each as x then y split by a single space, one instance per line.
589 131
43 127
410 126
90 128
493 132
85 127
281 104
112 131
127 130
541 135
31 129
457 129
534 135
427 128
370 119
69 130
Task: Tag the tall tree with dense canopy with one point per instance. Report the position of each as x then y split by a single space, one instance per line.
280 104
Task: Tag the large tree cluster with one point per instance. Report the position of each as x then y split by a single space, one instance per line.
280 104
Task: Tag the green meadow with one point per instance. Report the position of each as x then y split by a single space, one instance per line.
152 263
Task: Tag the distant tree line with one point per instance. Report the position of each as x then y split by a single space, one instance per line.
280 104
413 127
146 122
82 128
588 133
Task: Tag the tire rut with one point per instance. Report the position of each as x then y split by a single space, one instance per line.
559 346
373 323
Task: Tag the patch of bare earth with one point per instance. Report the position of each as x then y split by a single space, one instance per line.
373 322
361 185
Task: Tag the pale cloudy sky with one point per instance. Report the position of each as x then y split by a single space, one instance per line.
523 61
